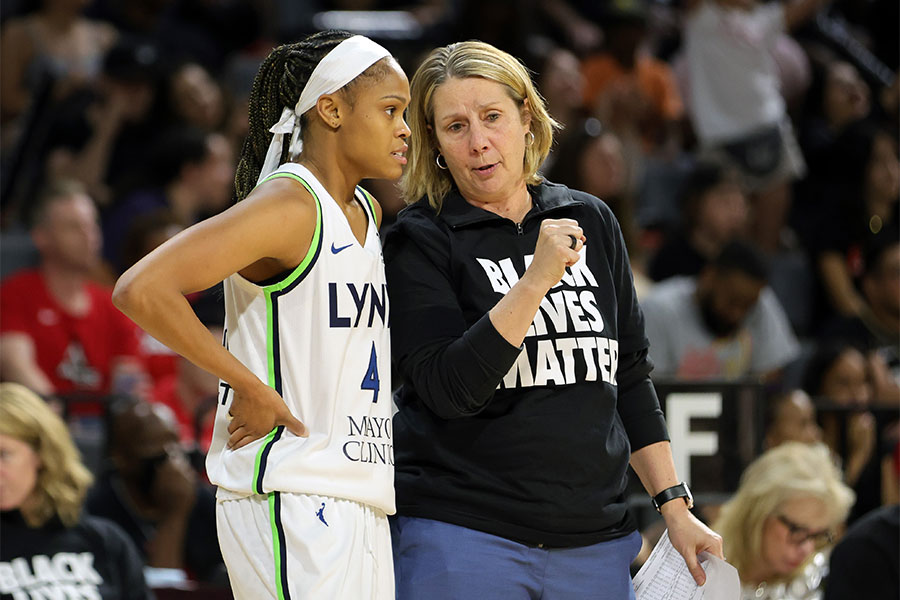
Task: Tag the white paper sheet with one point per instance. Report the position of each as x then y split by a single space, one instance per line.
665 576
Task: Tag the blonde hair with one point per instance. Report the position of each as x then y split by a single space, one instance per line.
462 60
789 471
62 480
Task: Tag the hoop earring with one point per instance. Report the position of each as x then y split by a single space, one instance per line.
531 143
437 160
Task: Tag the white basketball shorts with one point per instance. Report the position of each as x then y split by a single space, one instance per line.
296 546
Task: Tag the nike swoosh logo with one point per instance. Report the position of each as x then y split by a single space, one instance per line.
336 250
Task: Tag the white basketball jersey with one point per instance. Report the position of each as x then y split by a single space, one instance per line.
320 337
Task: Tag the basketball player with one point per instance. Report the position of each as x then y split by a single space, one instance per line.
301 453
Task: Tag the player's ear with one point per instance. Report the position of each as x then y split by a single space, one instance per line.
330 109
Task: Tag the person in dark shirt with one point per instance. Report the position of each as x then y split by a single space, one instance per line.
50 549
858 205
516 329
715 212
867 558
153 493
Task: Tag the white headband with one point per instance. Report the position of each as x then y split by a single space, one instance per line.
338 68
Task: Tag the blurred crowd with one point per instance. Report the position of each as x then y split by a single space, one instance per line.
749 150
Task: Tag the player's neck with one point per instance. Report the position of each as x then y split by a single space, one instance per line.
337 181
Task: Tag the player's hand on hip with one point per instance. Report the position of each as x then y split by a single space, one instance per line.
558 246
257 411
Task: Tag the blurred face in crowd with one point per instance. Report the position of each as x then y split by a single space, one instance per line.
623 40
131 100
562 81
69 234
882 285
725 298
883 172
846 95
481 131
722 212
846 382
215 175
602 166
794 421
792 534
196 96
145 437
19 465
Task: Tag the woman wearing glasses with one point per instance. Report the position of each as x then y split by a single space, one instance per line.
777 528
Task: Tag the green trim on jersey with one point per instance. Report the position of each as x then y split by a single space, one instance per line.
297 272
371 200
276 546
259 454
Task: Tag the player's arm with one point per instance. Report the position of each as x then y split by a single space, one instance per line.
18 363
270 230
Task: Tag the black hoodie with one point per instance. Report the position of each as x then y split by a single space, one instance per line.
531 443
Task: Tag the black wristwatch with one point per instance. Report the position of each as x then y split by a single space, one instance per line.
676 491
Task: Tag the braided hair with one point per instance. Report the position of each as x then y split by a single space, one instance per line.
279 83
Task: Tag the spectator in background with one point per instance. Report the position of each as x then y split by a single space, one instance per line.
726 323
193 97
715 212
147 231
42 489
877 329
100 135
560 82
153 493
54 42
881 292
165 25
867 558
59 331
863 190
837 97
193 177
591 158
635 94
577 22
839 376
735 102
627 88
789 504
791 417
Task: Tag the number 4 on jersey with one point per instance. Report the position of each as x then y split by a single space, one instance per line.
370 381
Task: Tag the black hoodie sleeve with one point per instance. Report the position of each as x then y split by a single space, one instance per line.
637 403
452 368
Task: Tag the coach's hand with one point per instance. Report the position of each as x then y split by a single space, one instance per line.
255 412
